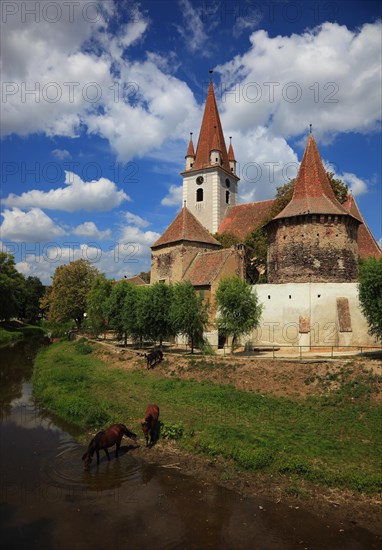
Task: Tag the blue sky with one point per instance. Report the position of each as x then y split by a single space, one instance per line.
98 99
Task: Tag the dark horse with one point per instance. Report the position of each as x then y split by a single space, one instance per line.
104 439
154 357
150 423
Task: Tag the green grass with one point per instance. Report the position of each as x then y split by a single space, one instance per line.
7 336
336 441
10 333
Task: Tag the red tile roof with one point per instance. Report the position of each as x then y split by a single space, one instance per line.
185 227
211 135
245 218
206 266
190 150
312 191
367 245
231 154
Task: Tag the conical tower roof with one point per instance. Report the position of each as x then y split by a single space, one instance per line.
185 227
211 135
190 149
312 193
231 154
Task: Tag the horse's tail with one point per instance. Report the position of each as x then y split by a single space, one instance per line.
127 432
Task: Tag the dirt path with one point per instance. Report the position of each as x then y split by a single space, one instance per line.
281 377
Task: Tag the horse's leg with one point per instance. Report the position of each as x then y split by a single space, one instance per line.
107 453
117 446
97 451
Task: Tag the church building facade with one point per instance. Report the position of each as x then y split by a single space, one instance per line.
314 244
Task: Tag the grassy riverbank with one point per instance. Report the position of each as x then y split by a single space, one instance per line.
334 440
10 332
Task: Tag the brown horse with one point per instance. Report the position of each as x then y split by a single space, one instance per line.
104 439
150 424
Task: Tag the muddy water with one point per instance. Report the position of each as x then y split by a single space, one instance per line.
48 502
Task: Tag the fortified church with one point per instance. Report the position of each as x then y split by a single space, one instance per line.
313 245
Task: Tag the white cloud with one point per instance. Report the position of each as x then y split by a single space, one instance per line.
249 21
286 82
88 82
265 162
162 109
356 185
33 226
136 220
61 154
192 29
89 229
96 195
133 248
135 236
174 196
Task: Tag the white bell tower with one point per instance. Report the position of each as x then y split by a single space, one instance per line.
209 179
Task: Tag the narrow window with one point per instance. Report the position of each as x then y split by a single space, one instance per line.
227 197
199 195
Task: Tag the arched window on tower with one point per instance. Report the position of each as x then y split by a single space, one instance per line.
227 197
199 195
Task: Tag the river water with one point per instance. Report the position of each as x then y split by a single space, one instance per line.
48 502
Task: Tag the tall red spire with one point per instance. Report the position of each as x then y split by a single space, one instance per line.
211 135
312 193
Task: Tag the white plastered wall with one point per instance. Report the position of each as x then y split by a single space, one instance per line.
283 304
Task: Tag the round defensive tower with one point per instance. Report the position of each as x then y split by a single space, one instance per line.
314 238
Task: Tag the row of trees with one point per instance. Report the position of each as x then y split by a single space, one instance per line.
156 312
19 296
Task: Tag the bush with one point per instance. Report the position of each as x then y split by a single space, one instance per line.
171 431
82 347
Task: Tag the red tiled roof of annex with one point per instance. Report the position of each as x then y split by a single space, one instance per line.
245 218
206 266
367 245
185 227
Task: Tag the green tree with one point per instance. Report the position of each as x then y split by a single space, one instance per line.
238 309
189 314
115 309
370 294
33 292
227 239
131 311
67 297
97 304
155 313
12 287
139 330
256 248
